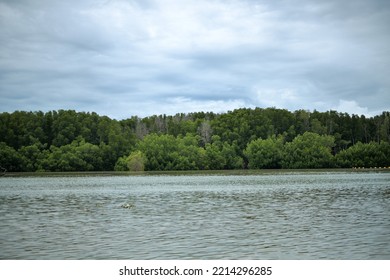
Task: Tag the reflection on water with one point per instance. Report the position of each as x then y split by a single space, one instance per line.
273 216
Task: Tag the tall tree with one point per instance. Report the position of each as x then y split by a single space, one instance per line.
309 150
265 153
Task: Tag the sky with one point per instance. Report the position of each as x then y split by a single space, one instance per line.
124 58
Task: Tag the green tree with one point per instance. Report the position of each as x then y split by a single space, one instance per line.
370 154
31 156
77 156
159 151
121 164
10 158
317 127
215 158
233 159
265 153
90 154
134 162
51 141
166 152
309 150
65 127
189 155
221 155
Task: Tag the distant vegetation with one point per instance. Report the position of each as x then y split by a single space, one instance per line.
67 140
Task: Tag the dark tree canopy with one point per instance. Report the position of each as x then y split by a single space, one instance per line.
67 140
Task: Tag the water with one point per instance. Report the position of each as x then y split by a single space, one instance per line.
315 215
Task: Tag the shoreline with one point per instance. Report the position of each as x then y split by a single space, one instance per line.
233 172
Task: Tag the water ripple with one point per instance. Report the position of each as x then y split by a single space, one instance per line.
284 216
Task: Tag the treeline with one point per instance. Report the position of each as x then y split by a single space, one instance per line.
67 140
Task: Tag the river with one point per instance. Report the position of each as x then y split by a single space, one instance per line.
272 215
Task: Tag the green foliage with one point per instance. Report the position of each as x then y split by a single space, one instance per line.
265 153
189 155
134 162
159 150
365 155
221 155
121 164
9 158
166 152
309 150
215 158
77 156
67 140
31 156
233 159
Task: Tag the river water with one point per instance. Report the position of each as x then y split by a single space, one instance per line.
282 215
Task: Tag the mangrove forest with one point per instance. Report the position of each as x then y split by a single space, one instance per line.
259 138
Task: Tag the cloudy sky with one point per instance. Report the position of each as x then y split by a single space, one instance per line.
142 57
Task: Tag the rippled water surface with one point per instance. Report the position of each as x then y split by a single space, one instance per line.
315 215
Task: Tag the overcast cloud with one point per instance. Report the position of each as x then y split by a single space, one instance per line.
142 57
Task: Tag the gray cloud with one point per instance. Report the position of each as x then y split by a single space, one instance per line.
124 58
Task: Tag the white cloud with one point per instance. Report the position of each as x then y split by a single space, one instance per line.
281 98
351 107
169 106
186 105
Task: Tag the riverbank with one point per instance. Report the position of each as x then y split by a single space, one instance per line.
234 172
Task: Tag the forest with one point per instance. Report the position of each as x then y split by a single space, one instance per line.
258 138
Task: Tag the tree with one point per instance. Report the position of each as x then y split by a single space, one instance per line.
371 154
385 127
10 159
65 127
90 154
166 152
77 156
233 159
31 156
69 140
134 162
215 158
317 127
309 150
189 156
205 131
221 155
265 153
159 151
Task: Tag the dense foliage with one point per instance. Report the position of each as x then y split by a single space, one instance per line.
67 140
